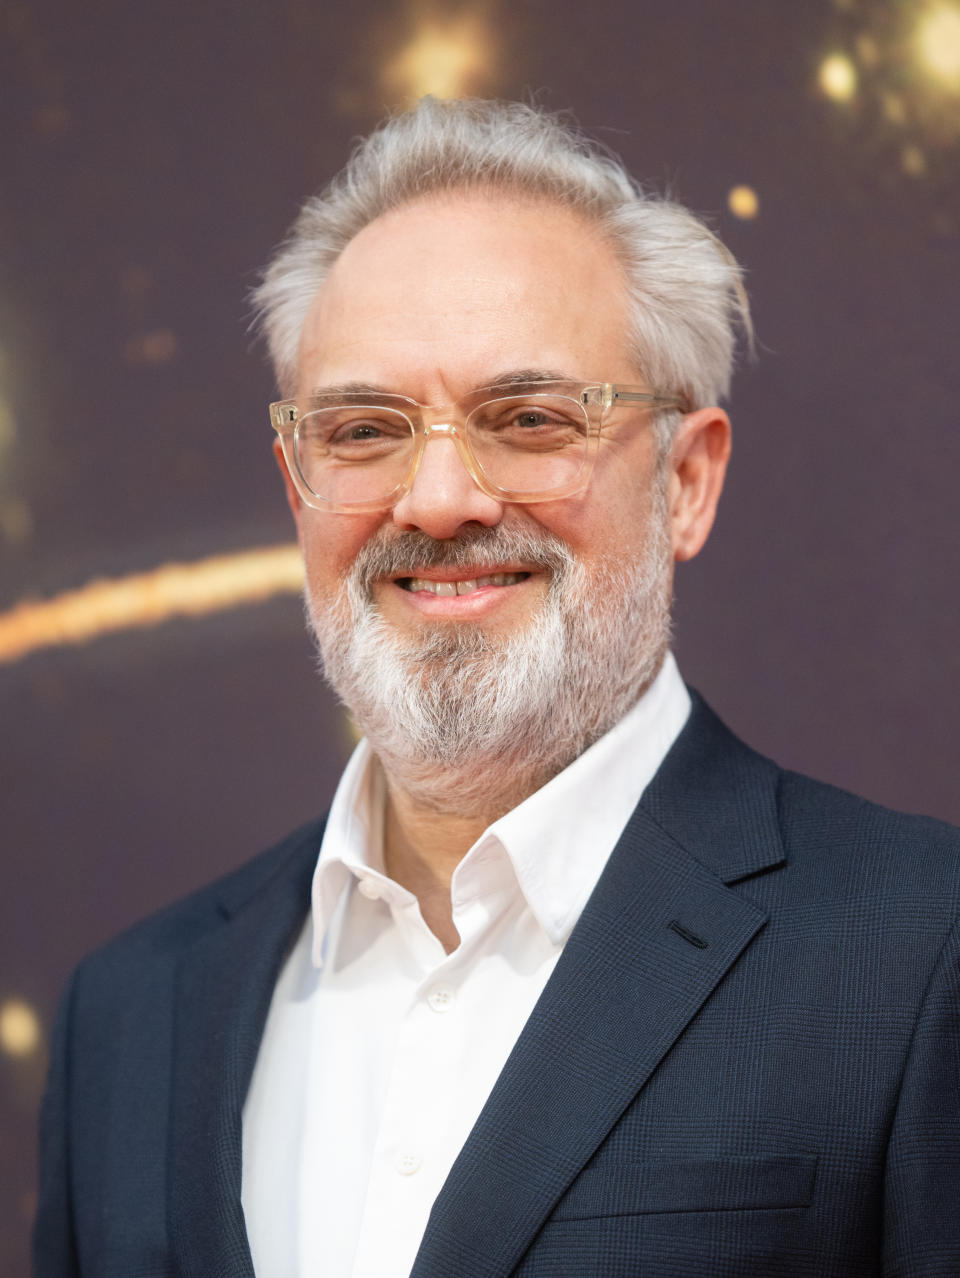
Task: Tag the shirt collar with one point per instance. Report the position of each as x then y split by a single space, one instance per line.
352 845
560 837
557 840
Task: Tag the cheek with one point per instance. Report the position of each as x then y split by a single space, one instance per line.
598 526
610 519
619 532
330 545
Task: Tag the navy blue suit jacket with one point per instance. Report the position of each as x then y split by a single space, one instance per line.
746 1062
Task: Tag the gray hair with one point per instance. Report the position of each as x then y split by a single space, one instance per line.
687 291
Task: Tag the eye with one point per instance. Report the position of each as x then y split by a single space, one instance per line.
352 430
357 432
529 418
522 416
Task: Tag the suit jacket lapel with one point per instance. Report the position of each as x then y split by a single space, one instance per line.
658 934
223 989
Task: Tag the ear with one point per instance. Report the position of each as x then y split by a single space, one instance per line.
698 464
293 497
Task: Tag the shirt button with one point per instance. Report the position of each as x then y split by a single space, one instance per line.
369 889
442 998
407 1164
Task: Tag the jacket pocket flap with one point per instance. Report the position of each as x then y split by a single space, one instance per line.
730 1184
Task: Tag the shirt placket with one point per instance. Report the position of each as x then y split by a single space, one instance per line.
412 1155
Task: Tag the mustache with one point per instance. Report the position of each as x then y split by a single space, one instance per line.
390 554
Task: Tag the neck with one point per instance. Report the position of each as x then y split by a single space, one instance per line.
480 787
424 842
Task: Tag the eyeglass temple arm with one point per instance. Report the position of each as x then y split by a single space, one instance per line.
610 395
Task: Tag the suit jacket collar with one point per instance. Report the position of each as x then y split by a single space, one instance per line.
718 798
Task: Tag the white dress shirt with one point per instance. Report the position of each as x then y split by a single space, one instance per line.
380 1049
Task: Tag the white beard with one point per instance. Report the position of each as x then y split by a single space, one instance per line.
467 721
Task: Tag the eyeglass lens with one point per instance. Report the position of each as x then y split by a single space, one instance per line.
522 443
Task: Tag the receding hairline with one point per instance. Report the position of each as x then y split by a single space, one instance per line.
483 193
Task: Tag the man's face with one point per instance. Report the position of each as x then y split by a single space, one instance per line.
433 301
440 298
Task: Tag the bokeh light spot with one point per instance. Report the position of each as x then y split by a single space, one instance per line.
743 202
19 1028
894 109
7 428
53 120
938 44
450 57
868 51
838 77
913 160
16 520
135 282
158 347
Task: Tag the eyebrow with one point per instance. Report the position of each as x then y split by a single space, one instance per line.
530 376
351 388
513 377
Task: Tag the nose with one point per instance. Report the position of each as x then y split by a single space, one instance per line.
443 496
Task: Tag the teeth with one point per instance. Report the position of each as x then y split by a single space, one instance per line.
447 589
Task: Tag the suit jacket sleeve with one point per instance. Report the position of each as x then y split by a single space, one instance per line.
922 1204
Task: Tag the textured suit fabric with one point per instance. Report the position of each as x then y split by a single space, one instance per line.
747 1061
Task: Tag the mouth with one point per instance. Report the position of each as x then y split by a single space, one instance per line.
448 587
474 593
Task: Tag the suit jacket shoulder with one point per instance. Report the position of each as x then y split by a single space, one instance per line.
151 1055
180 924
716 793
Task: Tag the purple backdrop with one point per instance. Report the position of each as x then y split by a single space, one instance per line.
153 154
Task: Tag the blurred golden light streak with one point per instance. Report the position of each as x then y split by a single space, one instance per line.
19 1028
743 202
148 598
838 77
938 44
449 57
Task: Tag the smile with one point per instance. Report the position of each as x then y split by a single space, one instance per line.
467 586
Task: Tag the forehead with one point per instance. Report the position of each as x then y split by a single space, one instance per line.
448 291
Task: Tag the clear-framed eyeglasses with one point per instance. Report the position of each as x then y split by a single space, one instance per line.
520 443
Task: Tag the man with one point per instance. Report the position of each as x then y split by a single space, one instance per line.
571 981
